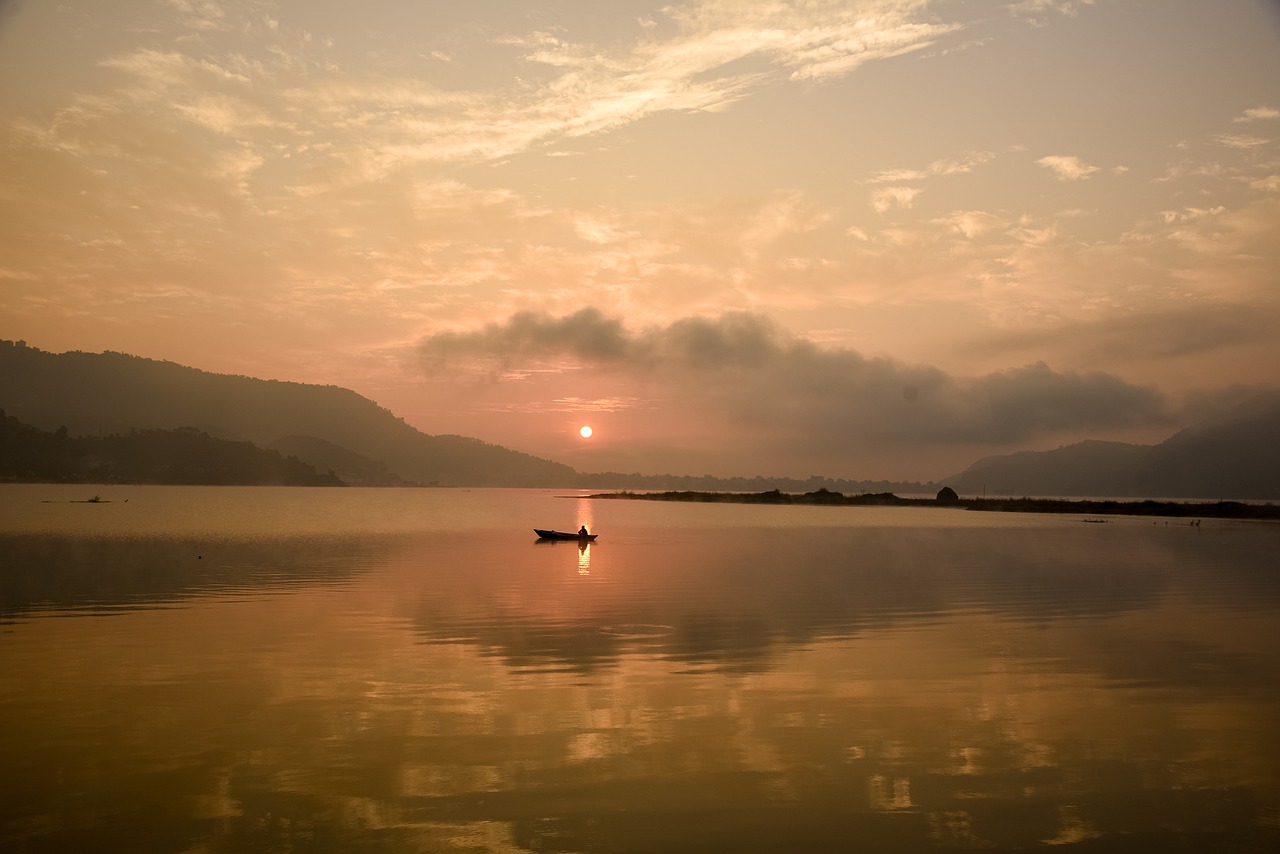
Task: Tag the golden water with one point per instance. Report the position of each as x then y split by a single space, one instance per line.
245 670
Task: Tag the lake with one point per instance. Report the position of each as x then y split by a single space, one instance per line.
197 669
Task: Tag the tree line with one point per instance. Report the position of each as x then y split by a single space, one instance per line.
179 456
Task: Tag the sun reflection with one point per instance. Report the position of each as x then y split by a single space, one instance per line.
585 520
1072 828
888 794
585 516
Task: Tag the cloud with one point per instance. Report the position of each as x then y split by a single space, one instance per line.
1033 8
937 167
972 224
203 14
1190 214
1154 335
1067 167
242 71
744 368
589 406
1255 114
888 197
808 41
1240 140
587 336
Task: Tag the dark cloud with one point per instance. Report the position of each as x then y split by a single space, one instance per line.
1170 334
748 370
587 336
1035 399
1203 404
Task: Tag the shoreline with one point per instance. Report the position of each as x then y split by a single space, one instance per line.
1095 507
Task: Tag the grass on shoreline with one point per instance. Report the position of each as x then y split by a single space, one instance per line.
823 497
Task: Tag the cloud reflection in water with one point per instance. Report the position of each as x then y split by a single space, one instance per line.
707 689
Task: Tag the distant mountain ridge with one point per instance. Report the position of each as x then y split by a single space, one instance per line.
1235 455
113 393
327 427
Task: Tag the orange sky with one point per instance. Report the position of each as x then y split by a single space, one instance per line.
858 239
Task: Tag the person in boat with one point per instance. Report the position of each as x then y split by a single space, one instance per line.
582 532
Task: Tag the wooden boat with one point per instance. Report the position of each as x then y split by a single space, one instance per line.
560 535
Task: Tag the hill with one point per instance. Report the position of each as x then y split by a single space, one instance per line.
1232 456
354 469
1235 455
99 394
182 456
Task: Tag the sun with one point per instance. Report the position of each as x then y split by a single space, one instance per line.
585 432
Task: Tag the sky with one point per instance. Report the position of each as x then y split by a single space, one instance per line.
870 239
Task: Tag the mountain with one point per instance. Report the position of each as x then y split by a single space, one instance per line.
1234 455
1086 468
98 394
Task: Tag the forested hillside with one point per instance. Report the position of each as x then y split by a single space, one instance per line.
182 456
105 393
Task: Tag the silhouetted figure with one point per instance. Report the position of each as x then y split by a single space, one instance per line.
582 532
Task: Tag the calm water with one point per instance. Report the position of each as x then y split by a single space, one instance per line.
243 670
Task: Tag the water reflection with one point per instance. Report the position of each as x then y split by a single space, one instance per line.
43 573
730 690
733 600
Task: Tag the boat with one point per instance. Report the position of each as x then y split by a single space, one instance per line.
560 535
